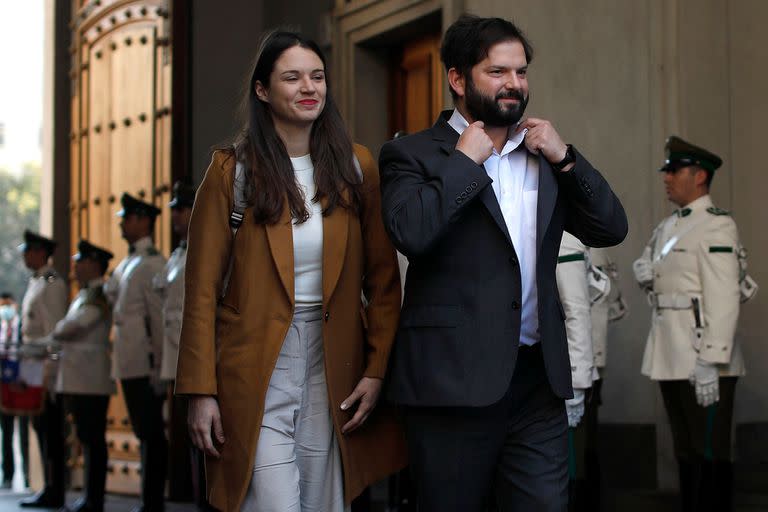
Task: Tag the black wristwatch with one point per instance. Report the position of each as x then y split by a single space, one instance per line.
569 159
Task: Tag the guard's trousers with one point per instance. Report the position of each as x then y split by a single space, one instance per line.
297 466
90 415
702 441
145 409
49 427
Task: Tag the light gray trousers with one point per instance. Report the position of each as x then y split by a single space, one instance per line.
297 466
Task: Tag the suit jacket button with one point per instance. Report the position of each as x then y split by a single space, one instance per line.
515 305
474 185
458 200
327 316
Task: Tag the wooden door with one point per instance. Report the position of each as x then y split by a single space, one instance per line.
120 142
416 90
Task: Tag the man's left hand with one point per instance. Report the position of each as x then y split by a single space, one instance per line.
367 392
543 138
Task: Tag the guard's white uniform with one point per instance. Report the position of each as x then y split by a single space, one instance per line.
695 292
44 304
84 366
137 312
170 285
571 274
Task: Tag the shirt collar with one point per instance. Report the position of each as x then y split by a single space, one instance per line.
459 123
701 203
141 245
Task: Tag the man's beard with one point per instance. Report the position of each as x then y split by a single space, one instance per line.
486 109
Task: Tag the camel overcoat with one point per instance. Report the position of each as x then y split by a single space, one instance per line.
228 347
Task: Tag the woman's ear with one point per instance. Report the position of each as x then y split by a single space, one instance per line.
261 91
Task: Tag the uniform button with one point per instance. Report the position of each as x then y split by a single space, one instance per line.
327 316
458 200
468 189
474 184
515 305
709 346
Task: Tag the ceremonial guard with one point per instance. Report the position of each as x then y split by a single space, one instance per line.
84 379
170 285
572 275
44 304
693 270
138 343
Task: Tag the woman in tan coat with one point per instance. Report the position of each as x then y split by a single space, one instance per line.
284 370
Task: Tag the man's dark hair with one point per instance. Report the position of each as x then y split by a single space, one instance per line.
468 40
6 296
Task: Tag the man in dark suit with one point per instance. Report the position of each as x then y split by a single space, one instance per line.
478 203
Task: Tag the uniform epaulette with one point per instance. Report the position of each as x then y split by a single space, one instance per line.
50 276
714 210
96 297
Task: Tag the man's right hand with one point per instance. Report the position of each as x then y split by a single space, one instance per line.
202 418
475 143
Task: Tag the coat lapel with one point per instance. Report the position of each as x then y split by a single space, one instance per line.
546 202
335 230
280 238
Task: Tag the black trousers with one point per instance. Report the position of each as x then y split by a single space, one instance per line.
49 427
180 454
90 416
583 459
702 442
514 452
145 409
7 423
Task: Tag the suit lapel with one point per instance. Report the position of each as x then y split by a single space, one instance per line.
335 230
280 238
546 202
446 137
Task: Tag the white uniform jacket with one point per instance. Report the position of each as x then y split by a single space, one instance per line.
694 293
137 313
609 310
84 362
571 274
170 285
44 304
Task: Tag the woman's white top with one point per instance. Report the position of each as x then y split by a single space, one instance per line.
308 240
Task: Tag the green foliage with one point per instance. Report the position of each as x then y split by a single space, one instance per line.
19 210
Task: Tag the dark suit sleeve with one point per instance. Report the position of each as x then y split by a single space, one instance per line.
595 215
419 202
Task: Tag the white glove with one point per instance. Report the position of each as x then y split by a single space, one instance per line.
643 269
574 407
705 380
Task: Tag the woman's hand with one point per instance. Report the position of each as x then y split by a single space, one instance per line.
367 392
204 416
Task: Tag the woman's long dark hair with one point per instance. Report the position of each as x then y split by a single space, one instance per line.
269 176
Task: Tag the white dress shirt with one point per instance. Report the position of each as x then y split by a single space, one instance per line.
515 182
